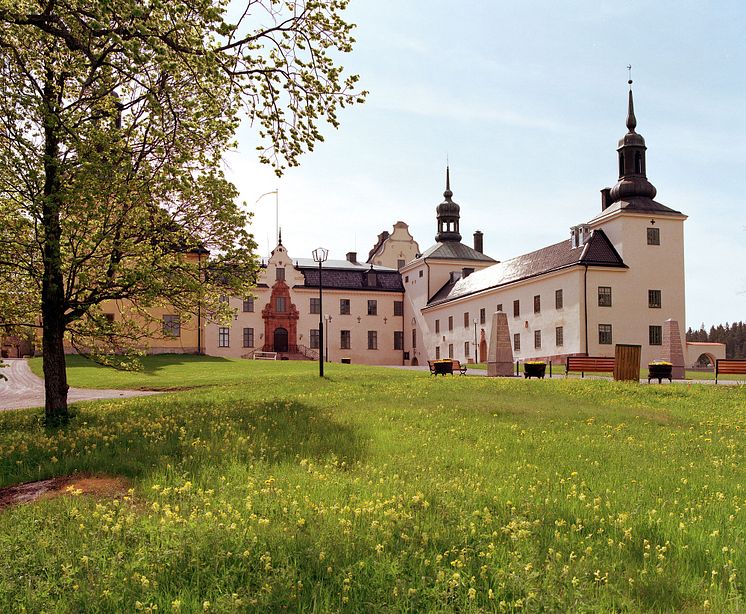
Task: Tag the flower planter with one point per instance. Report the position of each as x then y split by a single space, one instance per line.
443 366
534 369
659 371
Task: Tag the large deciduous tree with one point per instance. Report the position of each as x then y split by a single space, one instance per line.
114 119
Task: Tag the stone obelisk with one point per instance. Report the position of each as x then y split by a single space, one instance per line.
672 350
500 352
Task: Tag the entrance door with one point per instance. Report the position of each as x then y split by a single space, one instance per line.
281 340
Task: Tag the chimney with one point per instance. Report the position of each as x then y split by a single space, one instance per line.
352 257
465 272
605 198
479 241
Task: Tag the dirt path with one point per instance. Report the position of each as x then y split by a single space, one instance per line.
23 389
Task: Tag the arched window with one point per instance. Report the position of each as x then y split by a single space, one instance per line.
621 164
638 162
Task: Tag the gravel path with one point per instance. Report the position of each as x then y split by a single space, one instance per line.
23 389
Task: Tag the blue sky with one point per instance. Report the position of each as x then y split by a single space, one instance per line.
527 100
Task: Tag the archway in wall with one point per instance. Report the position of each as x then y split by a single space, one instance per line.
705 361
281 339
415 363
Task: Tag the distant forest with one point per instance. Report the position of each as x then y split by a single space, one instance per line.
732 335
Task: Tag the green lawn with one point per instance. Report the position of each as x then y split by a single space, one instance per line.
271 489
161 372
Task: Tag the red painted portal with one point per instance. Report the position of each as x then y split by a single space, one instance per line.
280 321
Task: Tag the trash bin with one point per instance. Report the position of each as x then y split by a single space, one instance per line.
346 361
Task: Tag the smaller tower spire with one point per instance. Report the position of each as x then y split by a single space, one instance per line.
631 119
279 236
448 214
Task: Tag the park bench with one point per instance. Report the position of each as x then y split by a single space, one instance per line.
265 355
729 366
590 364
457 366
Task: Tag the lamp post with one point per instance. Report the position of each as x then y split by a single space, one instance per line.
320 255
328 320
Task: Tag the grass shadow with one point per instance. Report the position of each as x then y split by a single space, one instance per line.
190 433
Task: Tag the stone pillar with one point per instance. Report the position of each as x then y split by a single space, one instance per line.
500 353
672 350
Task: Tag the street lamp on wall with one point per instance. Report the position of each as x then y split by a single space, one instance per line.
320 254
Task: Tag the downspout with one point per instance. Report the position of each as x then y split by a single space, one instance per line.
428 279
585 306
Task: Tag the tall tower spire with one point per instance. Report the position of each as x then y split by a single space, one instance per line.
448 214
633 182
631 119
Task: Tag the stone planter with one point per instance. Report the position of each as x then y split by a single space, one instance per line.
659 372
534 369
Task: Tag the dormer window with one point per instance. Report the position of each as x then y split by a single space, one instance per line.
372 278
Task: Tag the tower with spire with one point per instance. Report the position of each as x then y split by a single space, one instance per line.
633 182
632 191
448 213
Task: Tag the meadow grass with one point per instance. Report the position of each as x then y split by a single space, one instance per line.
271 489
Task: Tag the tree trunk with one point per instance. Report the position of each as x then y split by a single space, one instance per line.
52 293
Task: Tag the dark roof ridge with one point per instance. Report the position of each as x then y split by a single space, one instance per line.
597 251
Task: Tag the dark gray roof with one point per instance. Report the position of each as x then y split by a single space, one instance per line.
641 205
598 251
386 280
453 250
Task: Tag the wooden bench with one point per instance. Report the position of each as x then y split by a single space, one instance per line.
265 355
457 366
590 364
729 366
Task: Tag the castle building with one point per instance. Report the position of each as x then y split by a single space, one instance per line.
618 278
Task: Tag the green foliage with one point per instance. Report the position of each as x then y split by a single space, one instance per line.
382 489
115 116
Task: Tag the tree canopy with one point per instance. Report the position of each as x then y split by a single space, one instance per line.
113 124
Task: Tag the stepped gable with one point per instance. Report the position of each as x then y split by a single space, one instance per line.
345 275
597 251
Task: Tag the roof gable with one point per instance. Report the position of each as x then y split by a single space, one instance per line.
454 250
